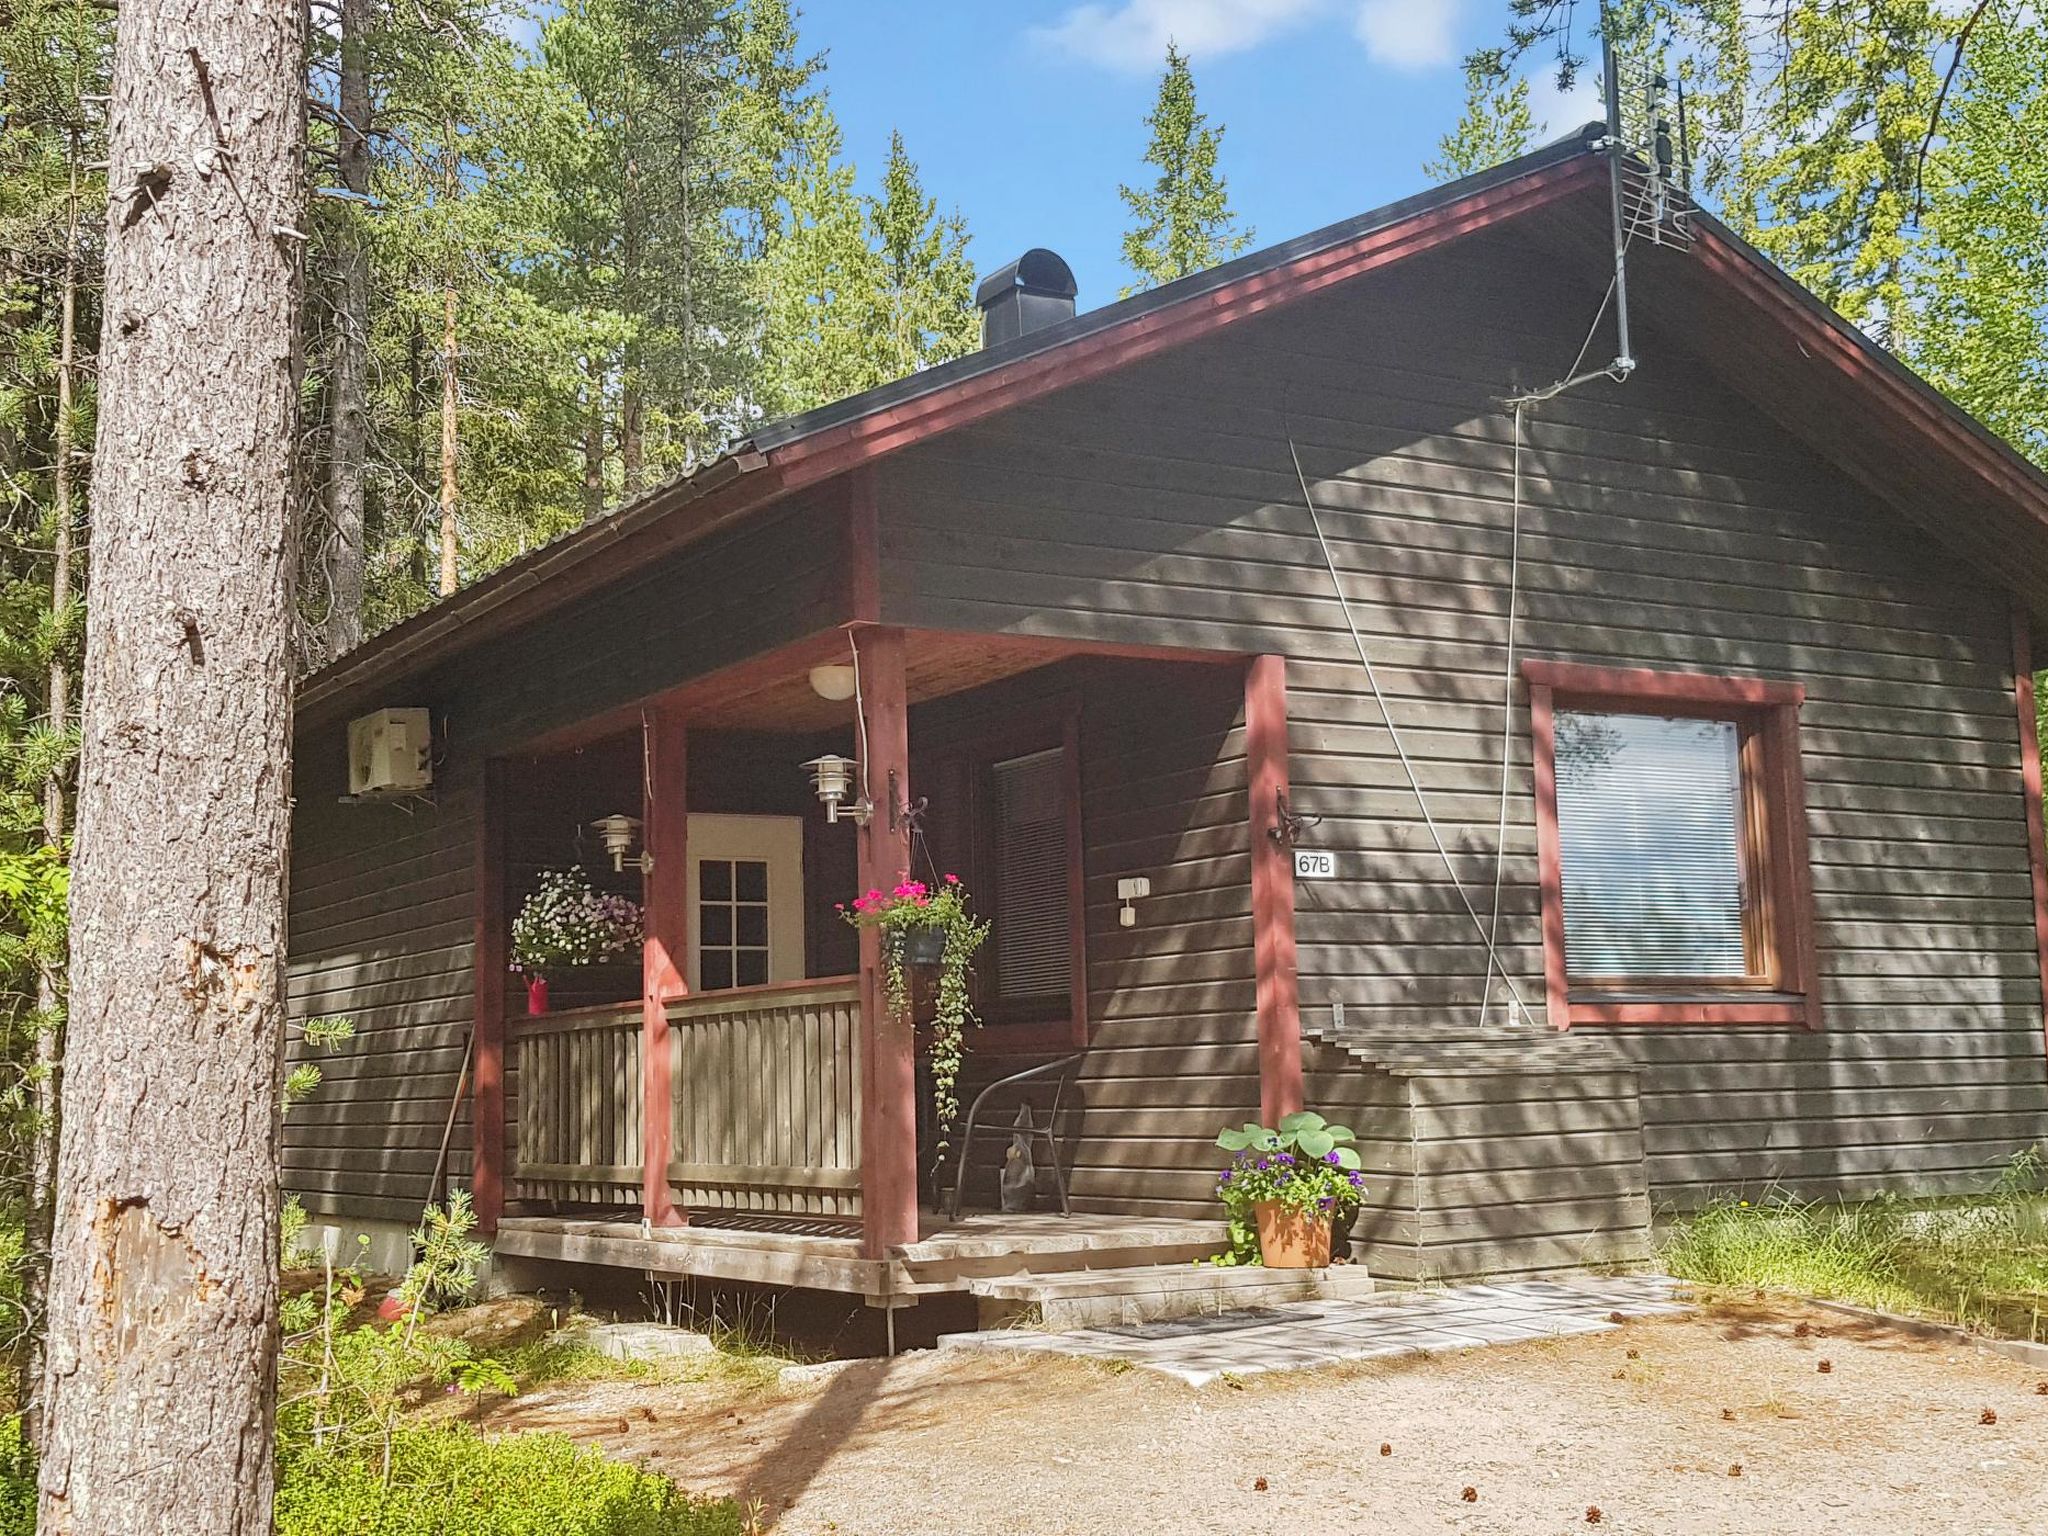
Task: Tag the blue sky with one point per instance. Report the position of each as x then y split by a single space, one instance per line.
1027 115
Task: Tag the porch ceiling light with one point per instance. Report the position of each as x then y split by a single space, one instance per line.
619 832
833 680
832 778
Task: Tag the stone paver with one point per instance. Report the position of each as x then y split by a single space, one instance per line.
1295 1335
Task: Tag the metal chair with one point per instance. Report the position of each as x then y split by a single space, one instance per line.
1063 1068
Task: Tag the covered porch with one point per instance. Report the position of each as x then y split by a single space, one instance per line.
742 1105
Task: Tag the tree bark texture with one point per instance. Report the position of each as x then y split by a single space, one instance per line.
349 370
161 1366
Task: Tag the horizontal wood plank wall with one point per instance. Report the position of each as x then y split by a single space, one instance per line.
1668 522
1173 1050
381 908
380 932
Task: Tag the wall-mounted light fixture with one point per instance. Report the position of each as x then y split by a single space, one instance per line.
832 778
834 680
620 832
1130 891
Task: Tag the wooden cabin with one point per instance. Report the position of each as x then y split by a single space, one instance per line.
1656 815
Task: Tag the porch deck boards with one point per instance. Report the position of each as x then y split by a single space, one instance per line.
773 1249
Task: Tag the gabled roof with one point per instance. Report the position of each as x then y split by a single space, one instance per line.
1854 401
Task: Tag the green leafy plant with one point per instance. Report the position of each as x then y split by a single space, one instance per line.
454 1481
17 1480
446 1270
1304 1163
916 908
566 921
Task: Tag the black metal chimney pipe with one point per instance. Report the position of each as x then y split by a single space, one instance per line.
1032 292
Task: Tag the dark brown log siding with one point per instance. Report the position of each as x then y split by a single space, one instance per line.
381 920
1668 522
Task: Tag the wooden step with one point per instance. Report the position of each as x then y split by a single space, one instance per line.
1141 1293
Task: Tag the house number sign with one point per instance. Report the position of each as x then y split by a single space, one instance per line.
1314 864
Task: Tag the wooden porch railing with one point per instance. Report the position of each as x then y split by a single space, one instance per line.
766 1102
576 1075
767 1098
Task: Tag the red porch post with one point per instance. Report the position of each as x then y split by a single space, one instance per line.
1273 955
888 1143
665 936
2030 784
487 1019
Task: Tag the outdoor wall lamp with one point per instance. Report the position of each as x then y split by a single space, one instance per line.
832 778
619 832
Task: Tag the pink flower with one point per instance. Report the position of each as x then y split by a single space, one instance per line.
952 879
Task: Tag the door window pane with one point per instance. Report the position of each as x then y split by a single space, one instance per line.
1649 820
732 923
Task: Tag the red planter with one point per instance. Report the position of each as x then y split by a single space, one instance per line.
537 995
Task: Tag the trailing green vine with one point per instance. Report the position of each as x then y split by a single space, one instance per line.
912 913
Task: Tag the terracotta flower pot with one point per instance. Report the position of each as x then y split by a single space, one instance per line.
537 994
1288 1239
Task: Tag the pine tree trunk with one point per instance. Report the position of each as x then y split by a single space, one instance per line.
349 373
450 541
163 1291
593 446
57 703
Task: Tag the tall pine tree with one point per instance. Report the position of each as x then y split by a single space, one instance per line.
1183 220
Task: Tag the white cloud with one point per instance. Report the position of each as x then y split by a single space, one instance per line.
1410 34
1134 34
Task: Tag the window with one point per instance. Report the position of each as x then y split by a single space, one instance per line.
1007 819
732 923
1033 934
1671 827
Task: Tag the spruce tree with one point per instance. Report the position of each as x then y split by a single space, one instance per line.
1495 126
1184 223
925 292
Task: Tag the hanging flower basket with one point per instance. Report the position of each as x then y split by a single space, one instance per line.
928 927
567 922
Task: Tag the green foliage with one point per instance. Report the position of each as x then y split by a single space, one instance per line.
453 1482
17 1480
1304 1163
449 1259
1886 154
914 908
1496 125
1183 221
1981 1263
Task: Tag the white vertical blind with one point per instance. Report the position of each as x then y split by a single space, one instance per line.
1034 952
1649 821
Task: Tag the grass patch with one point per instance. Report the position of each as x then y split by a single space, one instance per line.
557 1358
1982 1264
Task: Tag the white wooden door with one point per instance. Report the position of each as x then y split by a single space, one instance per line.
746 901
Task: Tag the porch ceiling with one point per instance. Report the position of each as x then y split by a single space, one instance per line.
773 693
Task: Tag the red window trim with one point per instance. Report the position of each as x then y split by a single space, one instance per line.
1036 728
1789 881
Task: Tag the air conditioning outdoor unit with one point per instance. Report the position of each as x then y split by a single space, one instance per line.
391 753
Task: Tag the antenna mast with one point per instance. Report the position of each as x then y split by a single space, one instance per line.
1649 192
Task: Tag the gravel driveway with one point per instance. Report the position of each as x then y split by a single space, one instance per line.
1749 1417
